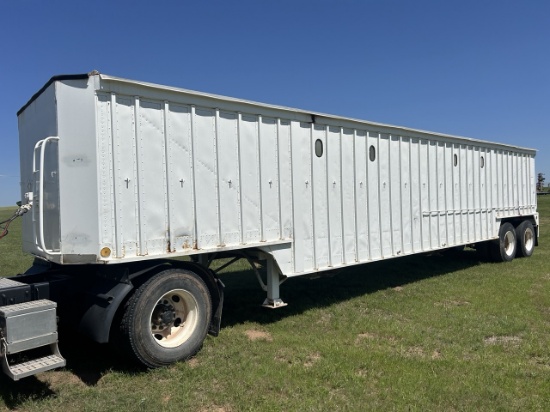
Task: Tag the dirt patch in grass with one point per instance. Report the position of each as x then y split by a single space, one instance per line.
312 359
502 340
255 335
325 319
193 363
451 303
366 335
369 336
295 359
414 352
540 362
283 357
373 375
216 408
418 352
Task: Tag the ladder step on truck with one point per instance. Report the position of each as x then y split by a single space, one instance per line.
26 326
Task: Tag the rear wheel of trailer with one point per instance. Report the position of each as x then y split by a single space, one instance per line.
504 248
525 234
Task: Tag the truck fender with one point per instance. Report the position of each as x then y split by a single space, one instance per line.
98 317
104 299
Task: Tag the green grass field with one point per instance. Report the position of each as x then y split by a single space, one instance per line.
416 333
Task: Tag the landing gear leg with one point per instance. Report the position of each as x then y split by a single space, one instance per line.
273 301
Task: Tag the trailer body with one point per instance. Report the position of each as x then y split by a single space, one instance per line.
138 171
122 175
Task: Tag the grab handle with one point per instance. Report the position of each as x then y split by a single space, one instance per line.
41 144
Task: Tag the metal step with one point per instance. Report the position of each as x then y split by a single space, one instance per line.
26 326
32 367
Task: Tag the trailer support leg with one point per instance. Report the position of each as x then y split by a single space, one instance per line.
273 301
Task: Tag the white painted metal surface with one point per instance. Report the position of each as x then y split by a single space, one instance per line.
147 171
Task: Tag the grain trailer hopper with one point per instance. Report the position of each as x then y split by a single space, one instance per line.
120 177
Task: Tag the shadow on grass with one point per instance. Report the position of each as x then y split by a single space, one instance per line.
86 360
89 361
243 296
16 393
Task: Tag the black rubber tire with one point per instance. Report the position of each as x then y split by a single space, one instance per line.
137 320
504 248
525 234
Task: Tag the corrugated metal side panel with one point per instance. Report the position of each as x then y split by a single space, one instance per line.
361 203
269 175
373 198
229 181
448 184
198 177
302 207
348 184
416 212
152 191
484 233
384 194
464 199
406 195
187 178
126 176
179 159
395 180
206 182
107 235
320 200
334 195
285 178
250 179
523 182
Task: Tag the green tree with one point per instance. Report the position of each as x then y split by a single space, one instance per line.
540 182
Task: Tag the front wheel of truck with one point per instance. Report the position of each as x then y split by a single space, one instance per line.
167 318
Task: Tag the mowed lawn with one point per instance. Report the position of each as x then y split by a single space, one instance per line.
417 333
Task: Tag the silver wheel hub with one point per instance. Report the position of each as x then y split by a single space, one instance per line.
174 318
509 243
528 240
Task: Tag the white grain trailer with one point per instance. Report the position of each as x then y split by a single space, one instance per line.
123 175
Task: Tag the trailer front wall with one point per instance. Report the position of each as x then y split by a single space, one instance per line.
67 209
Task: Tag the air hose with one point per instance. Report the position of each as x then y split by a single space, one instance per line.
5 224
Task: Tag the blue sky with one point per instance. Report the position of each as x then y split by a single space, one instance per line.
472 68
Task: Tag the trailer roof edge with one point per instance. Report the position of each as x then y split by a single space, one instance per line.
55 79
316 115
